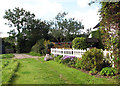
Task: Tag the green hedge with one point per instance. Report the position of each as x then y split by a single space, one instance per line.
79 43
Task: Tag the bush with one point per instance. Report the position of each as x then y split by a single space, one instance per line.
92 59
34 54
58 58
79 43
109 71
39 47
78 63
7 56
69 60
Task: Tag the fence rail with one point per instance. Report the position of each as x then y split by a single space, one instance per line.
68 52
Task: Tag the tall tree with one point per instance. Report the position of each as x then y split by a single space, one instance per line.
19 18
66 27
29 29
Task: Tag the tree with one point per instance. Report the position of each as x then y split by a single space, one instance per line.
20 19
66 28
29 29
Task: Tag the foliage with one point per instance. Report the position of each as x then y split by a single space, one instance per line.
69 60
48 45
8 43
93 71
109 71
65 29
28 30
7 56
79 43
78 63
34 54
57 58
39 47
110 28
92 59
97 34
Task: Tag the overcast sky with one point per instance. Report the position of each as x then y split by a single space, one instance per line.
48 9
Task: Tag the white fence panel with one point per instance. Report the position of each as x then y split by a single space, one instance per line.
77 53
68 52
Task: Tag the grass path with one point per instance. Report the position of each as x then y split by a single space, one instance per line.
37 71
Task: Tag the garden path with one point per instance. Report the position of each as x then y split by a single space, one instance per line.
21 56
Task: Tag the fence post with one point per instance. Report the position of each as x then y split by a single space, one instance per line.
73 51
63 52
51 50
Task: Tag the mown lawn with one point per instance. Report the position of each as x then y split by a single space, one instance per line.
37 71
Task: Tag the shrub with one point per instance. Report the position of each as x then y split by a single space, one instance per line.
48 45
109 71
58 58
7 56
69 60
92 59
79 43
78 63
39 47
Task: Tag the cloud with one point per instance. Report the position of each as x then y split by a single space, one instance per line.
82 3
89 18
43 9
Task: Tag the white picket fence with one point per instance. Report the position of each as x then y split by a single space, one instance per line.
73 52
76 52
68 52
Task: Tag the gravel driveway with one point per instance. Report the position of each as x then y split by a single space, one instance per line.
21 56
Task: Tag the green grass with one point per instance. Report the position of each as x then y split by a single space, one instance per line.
38 71
8 71
34 54
3 56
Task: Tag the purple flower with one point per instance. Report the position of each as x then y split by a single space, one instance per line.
68 57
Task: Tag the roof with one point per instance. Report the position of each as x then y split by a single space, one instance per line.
96 26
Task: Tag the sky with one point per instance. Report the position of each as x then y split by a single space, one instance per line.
48 9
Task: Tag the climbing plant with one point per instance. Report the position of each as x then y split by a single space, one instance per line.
110 27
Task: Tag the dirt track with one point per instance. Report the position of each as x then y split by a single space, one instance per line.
21 56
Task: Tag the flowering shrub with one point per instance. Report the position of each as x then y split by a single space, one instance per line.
69 60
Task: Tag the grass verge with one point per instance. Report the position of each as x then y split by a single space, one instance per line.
8 71
3 56
32 71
